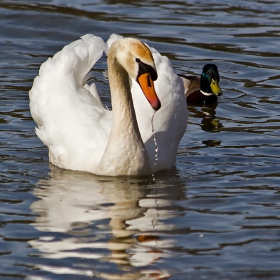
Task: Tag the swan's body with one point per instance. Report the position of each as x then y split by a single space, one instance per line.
80 132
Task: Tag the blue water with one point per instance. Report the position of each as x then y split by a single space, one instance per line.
215 215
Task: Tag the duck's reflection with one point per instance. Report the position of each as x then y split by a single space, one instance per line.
207 114
113 220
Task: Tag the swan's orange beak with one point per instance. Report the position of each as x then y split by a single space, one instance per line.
147 85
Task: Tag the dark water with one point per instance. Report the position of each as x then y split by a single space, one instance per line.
215 216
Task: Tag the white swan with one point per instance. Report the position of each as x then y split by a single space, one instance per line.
170 121
72 121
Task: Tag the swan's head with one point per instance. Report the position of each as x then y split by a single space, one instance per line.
136 58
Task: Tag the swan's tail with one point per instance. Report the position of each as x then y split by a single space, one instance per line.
72 63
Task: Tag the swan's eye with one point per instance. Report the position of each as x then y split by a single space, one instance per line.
138 60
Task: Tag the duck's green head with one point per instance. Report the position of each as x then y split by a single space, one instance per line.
209 81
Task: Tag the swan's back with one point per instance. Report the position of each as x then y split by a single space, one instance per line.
70 117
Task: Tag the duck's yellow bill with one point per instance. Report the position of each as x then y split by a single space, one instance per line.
216 87
147 86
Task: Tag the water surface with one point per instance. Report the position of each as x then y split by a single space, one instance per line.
213 216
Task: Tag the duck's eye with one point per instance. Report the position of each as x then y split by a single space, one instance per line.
138 60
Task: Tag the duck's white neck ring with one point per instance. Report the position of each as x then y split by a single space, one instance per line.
206 93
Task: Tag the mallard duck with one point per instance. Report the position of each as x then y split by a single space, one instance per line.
82 134
204 89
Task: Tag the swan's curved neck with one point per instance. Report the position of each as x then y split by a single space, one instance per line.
125 153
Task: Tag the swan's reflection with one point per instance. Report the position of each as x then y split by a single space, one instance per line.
112 220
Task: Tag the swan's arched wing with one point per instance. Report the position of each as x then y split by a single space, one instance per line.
113 37
70 116
170 121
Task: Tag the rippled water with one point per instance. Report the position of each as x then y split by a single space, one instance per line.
213 216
